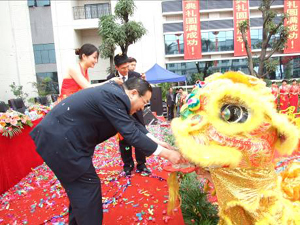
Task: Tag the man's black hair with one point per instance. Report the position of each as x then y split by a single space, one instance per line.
120 59
131 59
139 84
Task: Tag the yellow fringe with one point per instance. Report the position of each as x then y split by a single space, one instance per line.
204 155
174 197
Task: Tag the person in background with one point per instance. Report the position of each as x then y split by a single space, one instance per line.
175 97
77 77
170 104
67 136
284 95
178 101
132 66
123 72
294 92
275 92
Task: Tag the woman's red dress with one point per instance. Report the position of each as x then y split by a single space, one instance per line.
69 85
275 92
294 91
284 97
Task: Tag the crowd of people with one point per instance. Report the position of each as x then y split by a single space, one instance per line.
286 95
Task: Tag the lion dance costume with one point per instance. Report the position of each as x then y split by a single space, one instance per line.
231 128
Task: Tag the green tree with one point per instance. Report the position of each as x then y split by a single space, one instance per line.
195 77
45 86
165 88
121 34
274 37
17 90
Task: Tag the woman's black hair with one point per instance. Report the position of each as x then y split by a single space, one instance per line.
87 49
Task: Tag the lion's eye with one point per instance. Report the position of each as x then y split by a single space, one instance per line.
234 113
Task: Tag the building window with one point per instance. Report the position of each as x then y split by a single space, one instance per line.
47 83
38 3
256 38
217 41
209 67
174 44
91 11
44 53
96 10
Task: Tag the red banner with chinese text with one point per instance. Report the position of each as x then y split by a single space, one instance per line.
191 26
292 22
240 13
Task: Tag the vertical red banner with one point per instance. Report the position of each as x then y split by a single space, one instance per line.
191 26
292 22
240 13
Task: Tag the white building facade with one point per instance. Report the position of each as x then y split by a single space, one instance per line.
39 39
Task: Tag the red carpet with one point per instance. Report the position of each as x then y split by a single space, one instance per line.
39 199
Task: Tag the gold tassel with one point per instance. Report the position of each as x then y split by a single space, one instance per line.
174 198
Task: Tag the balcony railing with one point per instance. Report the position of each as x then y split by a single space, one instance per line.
91 11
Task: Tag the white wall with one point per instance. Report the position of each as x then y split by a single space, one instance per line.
70 34
66 39
16 51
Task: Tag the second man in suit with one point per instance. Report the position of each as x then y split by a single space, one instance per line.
122 71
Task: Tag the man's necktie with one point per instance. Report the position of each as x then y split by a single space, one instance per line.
123 78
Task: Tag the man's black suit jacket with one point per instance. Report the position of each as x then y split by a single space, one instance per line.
170 101
139 114
67 136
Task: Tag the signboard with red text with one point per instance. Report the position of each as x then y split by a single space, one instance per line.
240 13
191 26
292 22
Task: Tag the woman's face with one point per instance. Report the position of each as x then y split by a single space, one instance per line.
90 60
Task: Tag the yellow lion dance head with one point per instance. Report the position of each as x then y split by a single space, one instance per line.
232 122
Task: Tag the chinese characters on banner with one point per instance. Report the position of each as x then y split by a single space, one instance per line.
191 26
240 13
292 9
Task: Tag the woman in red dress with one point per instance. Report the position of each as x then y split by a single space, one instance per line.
275 92
284 95
77 77
294 91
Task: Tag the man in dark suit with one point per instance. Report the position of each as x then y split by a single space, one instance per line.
122 70
67 136
170 104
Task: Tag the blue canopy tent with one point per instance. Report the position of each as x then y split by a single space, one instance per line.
157 74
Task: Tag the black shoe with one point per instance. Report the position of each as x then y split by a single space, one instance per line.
143 169
128 171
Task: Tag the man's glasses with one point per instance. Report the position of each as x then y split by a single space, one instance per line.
144 101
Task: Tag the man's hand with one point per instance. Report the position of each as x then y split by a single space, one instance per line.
166 145
173 156
143 76
118 80
161 143
202 173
